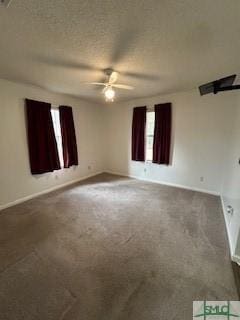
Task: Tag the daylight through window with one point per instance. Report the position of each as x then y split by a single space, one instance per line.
149 135
58 135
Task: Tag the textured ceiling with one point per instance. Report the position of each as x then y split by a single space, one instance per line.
157 46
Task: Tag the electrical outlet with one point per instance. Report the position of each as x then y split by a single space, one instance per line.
230 210
145 170
201 179
89 167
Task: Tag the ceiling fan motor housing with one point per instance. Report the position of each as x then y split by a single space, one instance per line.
108 71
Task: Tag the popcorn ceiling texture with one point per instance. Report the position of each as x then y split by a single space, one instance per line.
158 46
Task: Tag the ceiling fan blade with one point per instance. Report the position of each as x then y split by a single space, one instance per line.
98 83
65 63
123 86
140 76
113 77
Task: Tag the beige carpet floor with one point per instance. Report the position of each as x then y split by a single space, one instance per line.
113 248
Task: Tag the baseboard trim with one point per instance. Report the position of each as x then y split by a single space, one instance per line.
164 183
37 194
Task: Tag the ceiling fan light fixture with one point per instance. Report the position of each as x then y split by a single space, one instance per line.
109 85
109 94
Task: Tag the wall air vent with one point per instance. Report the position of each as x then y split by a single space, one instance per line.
5 3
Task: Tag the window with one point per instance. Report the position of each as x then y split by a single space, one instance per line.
58 135
149 135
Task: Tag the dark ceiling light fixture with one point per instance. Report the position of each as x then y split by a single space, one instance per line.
5 3
224 84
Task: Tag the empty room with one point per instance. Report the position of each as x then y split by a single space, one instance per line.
119 159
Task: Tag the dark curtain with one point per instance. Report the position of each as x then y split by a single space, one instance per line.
138 133
162 133
42 144
70 154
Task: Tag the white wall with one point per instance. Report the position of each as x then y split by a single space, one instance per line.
16 181
205 143
231 185
201 131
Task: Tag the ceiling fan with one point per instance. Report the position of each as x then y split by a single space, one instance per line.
109 86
